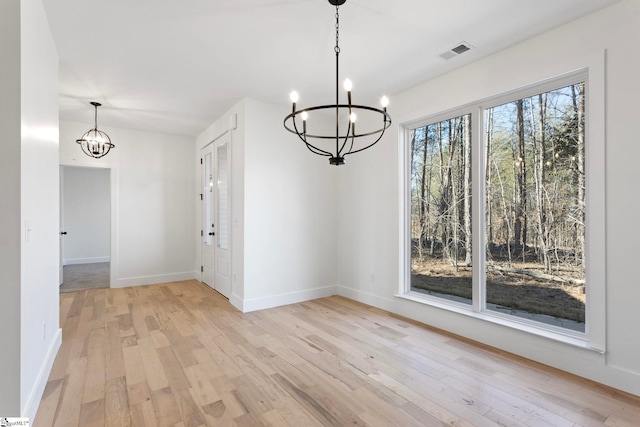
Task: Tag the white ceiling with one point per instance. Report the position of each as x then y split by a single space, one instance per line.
174 66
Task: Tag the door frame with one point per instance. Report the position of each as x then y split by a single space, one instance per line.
113 183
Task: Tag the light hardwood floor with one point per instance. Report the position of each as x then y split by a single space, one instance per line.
179 354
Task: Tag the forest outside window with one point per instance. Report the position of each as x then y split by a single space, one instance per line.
535 207
441 209
529 259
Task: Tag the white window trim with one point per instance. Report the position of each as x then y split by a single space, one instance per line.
594 337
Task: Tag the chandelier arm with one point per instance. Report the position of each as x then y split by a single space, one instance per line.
295 126
351 146
83 146
346 137
316 150
373 143
311 147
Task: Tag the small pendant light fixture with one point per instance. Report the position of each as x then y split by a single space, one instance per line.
94 142
344 142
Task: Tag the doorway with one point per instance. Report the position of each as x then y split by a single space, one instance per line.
85 227
216 208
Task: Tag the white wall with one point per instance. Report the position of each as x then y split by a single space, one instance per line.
290 214
29 328
369 249
152 201
86 211
10 220
41 334
284 227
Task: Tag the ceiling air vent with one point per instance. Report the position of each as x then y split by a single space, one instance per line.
458 50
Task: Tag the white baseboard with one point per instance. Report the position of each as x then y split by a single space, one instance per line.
153 279
236 301
92 260
365 298
31 405
254 304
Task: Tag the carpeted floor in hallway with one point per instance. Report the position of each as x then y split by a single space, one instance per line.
85 276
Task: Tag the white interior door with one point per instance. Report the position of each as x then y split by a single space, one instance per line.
216 235
208 209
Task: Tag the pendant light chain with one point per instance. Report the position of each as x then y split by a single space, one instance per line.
337 51
337 48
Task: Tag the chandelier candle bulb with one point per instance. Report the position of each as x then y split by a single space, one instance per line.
294 99
353 118
348 86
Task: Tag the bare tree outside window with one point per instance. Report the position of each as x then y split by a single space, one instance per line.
441 209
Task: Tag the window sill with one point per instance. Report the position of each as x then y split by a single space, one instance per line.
566 336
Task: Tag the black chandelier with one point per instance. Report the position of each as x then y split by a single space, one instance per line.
344 142
94 142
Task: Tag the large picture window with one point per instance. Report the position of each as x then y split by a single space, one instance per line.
519 162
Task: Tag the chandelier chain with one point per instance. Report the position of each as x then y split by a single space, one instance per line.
337 48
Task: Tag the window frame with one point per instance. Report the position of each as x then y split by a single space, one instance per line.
595 307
